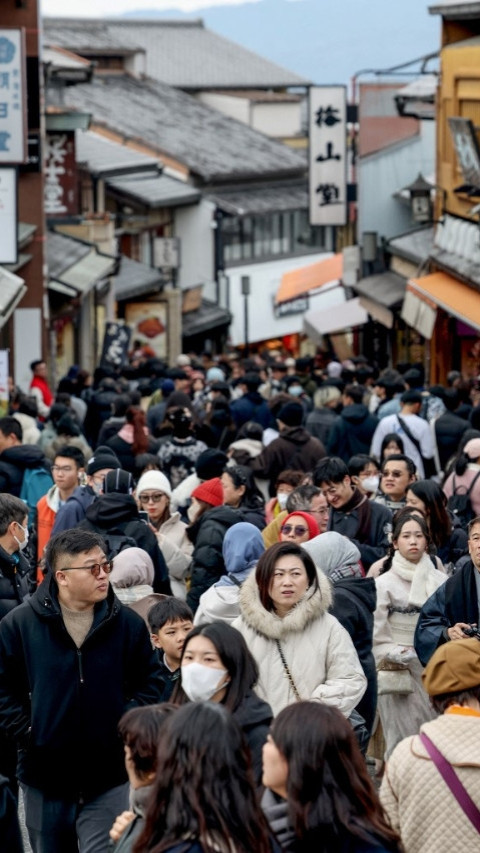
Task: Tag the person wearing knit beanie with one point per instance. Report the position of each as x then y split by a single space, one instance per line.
291 414
210 492
103 457
154 481
210 463
298 527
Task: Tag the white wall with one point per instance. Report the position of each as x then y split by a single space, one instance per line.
193 225
264 282
382 174
277 119
238 108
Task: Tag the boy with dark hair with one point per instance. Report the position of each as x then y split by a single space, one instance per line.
67 471
170 621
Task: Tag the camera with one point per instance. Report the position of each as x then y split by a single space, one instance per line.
472 631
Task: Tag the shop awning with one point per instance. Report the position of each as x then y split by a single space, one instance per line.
443 291
336 319
387 288
305 279
12 290
208 317
155 190
76 263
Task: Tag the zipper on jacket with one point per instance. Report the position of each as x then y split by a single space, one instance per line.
80 665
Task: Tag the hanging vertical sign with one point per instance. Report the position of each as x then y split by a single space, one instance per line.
4 395
328 155
8 215
13 133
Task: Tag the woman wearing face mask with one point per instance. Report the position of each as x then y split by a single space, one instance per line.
408 578
204 798
153 493
240 492
178 453
298 527
216 666
364 473
319 795
302 652
287 481
210 520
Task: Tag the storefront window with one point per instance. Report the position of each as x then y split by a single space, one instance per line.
270 235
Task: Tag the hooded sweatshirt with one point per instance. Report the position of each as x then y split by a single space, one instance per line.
294 448
242 548
352 433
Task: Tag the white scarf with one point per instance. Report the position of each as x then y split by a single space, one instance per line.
420 575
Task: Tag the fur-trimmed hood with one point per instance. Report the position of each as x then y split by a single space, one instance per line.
312 606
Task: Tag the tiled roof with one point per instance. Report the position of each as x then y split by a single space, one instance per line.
135 279
213 146
455 9
104 157
155 190
380 132
181 53
292 196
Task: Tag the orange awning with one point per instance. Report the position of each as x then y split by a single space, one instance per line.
298 282
453 296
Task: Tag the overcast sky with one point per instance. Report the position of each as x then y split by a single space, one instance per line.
99 8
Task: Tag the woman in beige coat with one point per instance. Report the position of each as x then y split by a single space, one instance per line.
418 802
301 650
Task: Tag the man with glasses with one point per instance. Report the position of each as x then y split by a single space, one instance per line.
67 470
72 661
98 466
367 524
398 472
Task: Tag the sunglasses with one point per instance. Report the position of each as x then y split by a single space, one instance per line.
155 499
106 566
296 529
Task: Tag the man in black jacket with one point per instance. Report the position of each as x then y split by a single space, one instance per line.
72 661
16 457
353 431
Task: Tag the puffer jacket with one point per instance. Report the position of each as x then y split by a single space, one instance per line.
177 551
207 564
417 800
16 580
318 651
294 448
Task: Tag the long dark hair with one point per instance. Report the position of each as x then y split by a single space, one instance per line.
435 500
241 475
407 513
235 656
266 567
204 788
391 436
329 791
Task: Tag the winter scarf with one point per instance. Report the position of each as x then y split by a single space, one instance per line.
420 575
362 504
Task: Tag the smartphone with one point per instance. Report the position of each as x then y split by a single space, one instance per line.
143 515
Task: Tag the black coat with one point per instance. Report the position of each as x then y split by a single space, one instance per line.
449 429
13 463
207 534
294 448
16 580
63 704
376 543
116 513
352 432
123 451
354 603
254 716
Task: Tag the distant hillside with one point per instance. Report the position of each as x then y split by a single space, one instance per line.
312 38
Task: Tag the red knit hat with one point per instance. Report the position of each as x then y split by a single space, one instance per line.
313 527
211 492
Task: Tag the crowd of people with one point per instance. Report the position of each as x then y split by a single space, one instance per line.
240 608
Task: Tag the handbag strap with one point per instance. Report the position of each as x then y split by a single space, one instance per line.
451 779
288 673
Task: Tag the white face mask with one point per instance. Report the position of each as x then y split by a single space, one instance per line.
371 484
200 682
192 512
282 499
22 545
295 390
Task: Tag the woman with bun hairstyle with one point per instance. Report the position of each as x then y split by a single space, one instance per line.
216 666
302 652
210 520
319 796
204 797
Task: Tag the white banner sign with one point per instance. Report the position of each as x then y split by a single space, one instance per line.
3 382
8 215
12 106
328 155
166 252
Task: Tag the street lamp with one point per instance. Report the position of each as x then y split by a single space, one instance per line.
421 200
246 293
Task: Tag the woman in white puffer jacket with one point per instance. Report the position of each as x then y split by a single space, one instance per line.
301 650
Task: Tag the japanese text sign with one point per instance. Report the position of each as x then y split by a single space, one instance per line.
8 215
328 155
12 97
115 345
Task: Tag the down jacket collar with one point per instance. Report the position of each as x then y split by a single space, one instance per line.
267 623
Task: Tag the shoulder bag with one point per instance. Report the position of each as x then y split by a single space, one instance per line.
451 779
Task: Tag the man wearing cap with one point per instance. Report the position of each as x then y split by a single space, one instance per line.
416 433
72 661
420 804
251 406
73 510
294 448
454 606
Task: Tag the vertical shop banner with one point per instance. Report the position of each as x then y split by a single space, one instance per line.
8 215
3 382
13 130
328 155
116 342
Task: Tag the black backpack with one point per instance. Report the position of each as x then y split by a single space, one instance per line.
459 502
117 541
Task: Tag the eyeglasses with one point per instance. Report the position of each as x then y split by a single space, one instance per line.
63 469
296 529
155 499
95 569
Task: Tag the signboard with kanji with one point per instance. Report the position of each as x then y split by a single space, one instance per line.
166 252
116 342
8 215
13 132
328 155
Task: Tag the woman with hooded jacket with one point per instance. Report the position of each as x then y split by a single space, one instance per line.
301 650
242 548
